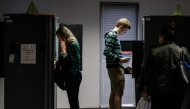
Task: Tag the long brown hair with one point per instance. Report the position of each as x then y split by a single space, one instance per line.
65 33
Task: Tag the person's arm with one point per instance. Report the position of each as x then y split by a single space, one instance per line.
186 53
109 43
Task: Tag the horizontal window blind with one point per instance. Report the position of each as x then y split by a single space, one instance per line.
110 14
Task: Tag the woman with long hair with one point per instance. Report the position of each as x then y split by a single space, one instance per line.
70 62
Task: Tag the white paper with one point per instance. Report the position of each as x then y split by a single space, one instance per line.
28 53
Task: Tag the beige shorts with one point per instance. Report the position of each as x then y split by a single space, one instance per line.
117 78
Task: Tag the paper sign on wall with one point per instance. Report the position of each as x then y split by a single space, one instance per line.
28 53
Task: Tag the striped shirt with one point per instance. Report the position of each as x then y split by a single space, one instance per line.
112 50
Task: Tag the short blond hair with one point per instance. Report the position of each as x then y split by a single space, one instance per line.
124 22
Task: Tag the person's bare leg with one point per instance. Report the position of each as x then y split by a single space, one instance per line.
118 99
111 99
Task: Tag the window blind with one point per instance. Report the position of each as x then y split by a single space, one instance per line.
110 14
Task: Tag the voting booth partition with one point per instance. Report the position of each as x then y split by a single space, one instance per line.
28 61
134 50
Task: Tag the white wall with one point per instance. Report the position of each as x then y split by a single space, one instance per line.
87 13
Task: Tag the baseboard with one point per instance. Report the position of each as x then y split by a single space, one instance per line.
101 108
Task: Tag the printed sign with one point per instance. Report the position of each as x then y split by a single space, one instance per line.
28 53
127 54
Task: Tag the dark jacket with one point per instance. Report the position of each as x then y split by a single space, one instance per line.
160 74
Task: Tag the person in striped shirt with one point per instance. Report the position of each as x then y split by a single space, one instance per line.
114 60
